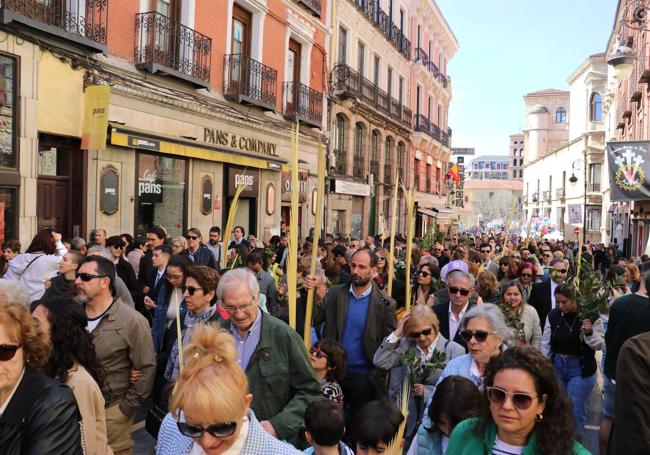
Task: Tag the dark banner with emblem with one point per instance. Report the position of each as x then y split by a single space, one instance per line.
629 170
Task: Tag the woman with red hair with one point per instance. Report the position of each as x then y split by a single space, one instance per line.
527 277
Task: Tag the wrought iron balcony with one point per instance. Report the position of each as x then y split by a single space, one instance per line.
347 83
303 103
248 81
357 166
422 124
422 57
340 158
81 21
381 21
313 5
166 46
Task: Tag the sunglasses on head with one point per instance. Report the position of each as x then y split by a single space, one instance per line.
8 351
479 335
190 289
192 237
317 353
219 430
520 400
87 276
425 332
453 290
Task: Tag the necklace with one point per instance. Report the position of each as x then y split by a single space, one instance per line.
570 327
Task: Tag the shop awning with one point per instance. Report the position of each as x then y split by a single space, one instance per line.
433 213
123 136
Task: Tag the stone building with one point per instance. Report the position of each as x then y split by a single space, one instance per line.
516 156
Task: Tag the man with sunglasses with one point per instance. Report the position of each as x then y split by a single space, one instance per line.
460 287
123 343
438 253
198 253
487 258
359 316
542 297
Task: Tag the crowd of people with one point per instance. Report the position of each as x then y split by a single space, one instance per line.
494 352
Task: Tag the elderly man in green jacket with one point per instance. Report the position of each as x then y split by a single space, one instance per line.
272 354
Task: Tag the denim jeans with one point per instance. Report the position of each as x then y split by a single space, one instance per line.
577 388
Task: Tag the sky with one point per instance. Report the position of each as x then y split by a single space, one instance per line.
512 47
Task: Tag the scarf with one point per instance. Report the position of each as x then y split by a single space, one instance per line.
191 319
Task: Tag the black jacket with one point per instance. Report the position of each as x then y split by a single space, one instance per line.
442 313
125 271
41 418
540 299
59 288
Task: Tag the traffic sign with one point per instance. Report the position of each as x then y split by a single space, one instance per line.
576 231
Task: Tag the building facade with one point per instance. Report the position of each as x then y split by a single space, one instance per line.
516 156
489 200
564 183
488 167
203 98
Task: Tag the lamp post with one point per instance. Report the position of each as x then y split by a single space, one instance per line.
574 180
634 17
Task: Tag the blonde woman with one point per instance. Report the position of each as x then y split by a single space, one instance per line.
179 245
210 406
519 313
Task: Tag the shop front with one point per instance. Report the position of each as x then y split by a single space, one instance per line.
285 198
246 214
349 206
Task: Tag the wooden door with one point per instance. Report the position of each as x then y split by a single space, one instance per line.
293 76
241 46
52 212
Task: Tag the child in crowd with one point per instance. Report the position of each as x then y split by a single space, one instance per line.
375 427
324 428
328 360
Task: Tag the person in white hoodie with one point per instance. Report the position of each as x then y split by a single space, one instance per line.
39 263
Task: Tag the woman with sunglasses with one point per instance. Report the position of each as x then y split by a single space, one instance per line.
399 288
73 362
180 246
210 406
39 415
570 342
525 411
527 277
425 287
416 339
521 316
328 359
486 333
115 249
199 298
507 270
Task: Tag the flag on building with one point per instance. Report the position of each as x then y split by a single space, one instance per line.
629 170
454 173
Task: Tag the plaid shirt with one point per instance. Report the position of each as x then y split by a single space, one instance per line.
247 344
258 442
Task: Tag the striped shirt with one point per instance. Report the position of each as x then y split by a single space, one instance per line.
501 448
246 344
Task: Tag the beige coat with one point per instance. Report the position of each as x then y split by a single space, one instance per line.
91 406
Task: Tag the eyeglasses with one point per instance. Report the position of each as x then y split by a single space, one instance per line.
86 277
381 258
169 276
423 273
453 290
547 255
219 430
190 289
425 332
520 400
234 309
563 271
8 351
316 352
192 237
529 275
479 335
176 245
485 251
437 249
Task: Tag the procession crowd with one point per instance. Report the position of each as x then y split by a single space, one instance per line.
494 353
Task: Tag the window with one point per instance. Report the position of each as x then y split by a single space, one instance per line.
161 193
343 46
374 155
560 115
376 75
514 162
389 83
8 113
358 150
521 173
340 144
594 177
8 218
593 219
596 107
417 100
241 31
361 59
388 161
401 91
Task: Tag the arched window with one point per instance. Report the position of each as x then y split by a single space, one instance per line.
357 169
596 107
560 115
374 154
340 147
388 161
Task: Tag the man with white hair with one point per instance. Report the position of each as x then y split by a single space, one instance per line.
13 292
272 354
460 286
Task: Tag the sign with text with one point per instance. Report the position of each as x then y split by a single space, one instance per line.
247 177
351 188
95 124
285 192
629 170
461 151
575 213
243 143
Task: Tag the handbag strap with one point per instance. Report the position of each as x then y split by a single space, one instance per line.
30 263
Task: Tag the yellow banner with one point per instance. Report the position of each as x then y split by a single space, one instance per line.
95 124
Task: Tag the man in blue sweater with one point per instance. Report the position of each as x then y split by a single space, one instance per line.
358 316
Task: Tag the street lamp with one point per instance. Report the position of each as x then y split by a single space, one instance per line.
622 60
634 17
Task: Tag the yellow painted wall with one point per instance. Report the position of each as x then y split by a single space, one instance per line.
60 97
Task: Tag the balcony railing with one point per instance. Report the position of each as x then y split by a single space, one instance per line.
357 165
347 83
249 81
313 5
422 57
303 103
341 158
423 125
82 21
381 21
560 193
163 45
